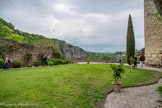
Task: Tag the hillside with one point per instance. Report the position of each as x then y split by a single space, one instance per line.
7 30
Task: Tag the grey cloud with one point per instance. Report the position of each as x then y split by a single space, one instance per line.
94 25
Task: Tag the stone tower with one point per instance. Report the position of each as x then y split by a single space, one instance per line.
153 35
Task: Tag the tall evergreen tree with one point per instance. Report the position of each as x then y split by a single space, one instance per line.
130 40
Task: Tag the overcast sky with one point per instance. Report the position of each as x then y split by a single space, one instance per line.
94 25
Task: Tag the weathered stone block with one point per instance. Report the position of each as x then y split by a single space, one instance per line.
152 63
154 55
150 59
149 56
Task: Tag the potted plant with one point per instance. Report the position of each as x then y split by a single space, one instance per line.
118 70
132 61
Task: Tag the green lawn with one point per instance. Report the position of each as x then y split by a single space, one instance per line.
65 86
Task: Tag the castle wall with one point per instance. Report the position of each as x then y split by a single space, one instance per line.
153 35
17 51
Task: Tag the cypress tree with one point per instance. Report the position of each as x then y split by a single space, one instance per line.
130 40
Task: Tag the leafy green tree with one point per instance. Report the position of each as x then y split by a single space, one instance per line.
2 21
17 38
31 38
130 40
104 57
4 31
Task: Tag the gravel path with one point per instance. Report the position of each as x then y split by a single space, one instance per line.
136 97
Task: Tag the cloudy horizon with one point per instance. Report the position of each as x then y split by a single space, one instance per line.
97 26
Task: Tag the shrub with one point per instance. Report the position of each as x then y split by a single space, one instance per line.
16 64
29 65
59 61
65 61
131 60
1 63
56 61
37 63
159 89
118 70
50 63
53 60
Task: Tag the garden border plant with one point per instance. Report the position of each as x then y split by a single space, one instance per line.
37 63
29 65
1 63
16 64
59 61
50 63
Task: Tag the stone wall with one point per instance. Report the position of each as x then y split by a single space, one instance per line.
153 35
17 51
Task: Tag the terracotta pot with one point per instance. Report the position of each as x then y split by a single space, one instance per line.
117 86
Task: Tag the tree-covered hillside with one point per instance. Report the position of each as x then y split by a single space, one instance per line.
111 57
8 30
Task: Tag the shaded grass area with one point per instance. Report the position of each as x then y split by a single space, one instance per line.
66 86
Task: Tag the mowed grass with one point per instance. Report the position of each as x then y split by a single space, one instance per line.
65 86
